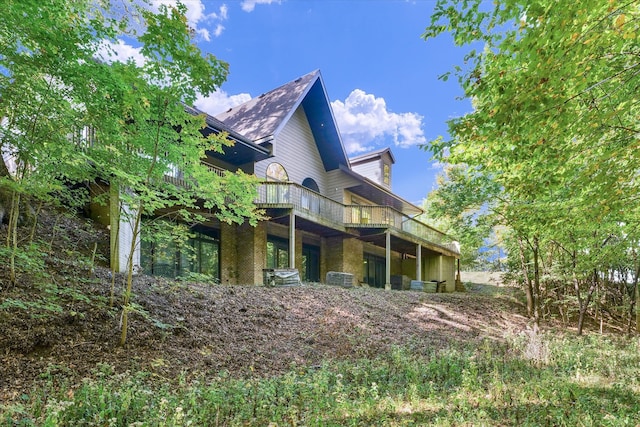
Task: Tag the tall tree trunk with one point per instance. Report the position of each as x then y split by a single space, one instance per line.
536 281
127 294
136 231
528 286
584 302
12 235
635 303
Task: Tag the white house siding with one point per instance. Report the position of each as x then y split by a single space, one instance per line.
371 170
295 149
337 181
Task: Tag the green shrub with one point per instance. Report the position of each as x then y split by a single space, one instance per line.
584 381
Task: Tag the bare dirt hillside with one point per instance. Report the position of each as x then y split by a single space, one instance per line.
201 329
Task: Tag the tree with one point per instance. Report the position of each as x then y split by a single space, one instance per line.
461 207
75 115
554 87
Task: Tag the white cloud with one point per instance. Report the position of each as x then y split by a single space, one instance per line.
219 29
120 51
197 18
249 5
219 102
364 122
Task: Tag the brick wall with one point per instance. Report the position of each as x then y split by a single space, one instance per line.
228 254
251 246
342 254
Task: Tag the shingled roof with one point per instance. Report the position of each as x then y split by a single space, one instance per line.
243 150
261 118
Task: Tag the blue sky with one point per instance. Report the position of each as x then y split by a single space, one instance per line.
380 76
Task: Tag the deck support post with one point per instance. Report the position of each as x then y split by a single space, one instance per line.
387 284
419 262
292 239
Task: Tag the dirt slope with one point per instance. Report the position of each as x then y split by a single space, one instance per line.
200 329
245 330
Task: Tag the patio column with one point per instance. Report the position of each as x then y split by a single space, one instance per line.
387 284
419 262
292 240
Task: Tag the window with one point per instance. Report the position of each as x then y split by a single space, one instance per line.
310 263
309 200
360 214
277 252
386 174
277 193
277 173
311 184
168 258
374 268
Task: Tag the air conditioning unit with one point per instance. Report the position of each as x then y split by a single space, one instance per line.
336 278
281 277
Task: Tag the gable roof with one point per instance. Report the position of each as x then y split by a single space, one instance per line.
263 117
363 158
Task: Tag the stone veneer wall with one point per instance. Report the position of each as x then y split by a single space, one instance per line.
324 261
251 246
299 253
228 254
449 272
342 254
440 267
353 258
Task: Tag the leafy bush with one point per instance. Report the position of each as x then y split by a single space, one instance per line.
592 381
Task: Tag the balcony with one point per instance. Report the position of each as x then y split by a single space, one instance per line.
303 201
176 177
313 206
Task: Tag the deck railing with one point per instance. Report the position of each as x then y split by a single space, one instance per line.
176 177
304 200
385 216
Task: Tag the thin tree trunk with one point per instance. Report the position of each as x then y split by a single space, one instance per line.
12 235
635 304
136 232
114 219
528 285
536 282
127 294
32 235
584 303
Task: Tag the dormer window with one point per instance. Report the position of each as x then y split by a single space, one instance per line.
386 174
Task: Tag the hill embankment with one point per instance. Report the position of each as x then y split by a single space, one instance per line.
61 324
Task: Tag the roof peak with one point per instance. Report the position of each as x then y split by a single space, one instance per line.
260 116
372 154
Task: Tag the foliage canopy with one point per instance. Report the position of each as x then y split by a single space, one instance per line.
73 113
553 134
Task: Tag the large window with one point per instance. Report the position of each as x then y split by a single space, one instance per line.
200 253
310 263
277 252
374 268
310 200
277 193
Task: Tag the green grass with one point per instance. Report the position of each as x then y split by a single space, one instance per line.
531 380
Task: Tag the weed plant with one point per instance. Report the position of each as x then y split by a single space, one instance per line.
529 380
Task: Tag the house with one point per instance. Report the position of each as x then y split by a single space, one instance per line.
326 212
